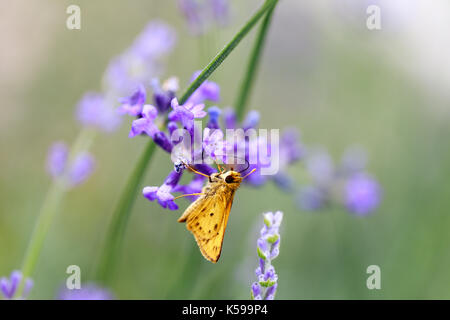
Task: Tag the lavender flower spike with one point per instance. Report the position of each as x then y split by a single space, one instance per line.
8 287
268 248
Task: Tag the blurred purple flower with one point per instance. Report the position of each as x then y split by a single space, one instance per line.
57 159
88 291
9 286
95 111
200 14
81 168
214 115
75 172
142 61
268 248
133 105
362 194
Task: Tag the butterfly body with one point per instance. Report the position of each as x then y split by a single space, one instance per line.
207 217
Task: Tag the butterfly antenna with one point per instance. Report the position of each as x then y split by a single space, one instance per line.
249 173
248 166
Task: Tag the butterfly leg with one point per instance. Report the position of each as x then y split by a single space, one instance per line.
188 195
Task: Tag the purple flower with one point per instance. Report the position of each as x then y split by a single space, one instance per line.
220 10
186 114
200 15
57 159
133 105
81 168
208 90
251 121
74 172
163 193
8 287
164 96
214 115
95 111
146 124
230 119
156 40
88 291
362 194
142 61
268 248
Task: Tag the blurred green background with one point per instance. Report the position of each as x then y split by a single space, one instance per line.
323 71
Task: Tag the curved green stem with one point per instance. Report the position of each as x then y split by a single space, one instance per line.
252 67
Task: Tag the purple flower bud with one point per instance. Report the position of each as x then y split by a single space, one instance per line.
251 121
146 123
362 194
57 159
133 105
163 141
88 291
164 96
214 115
230 118
256 291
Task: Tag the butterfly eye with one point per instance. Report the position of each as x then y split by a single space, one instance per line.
229 179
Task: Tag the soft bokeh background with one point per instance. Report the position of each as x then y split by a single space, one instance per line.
323 72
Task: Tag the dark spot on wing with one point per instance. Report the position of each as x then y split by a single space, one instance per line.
215 227
211 214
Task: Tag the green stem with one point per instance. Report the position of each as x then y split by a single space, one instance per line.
223 54
50 207
121 216
122 213
252 67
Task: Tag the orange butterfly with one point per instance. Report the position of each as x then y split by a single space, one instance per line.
207 217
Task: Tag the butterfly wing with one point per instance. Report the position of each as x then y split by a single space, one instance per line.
207 219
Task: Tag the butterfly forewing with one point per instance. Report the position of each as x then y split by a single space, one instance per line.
207 218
